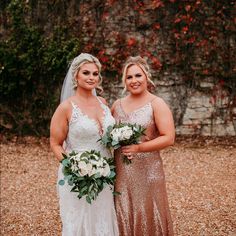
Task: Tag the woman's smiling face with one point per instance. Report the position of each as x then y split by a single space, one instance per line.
136 80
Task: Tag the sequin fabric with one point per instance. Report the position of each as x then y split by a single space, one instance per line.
142 208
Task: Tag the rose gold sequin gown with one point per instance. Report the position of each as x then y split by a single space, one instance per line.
142 208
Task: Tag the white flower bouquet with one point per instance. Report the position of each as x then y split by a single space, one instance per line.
122 134
88 173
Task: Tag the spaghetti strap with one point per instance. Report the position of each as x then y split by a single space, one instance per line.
73 104
99 99
153 99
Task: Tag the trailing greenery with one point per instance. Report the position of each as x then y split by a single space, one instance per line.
32 70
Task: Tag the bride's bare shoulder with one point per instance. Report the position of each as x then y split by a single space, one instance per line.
103 100
65 106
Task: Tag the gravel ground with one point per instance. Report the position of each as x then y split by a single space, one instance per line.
200 174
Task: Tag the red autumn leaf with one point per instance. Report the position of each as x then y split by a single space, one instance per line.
157 4
156 26
177 35
177 20
148 54
104 59
202 43
188 7
192 39
198 2
131 42
185 29
105 15
110 2
101 52
141 12
156 62
221 82
140 3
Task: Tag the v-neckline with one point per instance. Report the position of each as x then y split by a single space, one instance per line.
135 110
98 124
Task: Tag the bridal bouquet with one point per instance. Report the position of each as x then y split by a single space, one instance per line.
122 134
87 173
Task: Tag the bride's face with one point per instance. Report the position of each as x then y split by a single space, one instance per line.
88 76
135 80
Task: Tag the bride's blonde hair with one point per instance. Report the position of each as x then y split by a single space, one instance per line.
82 59
140 62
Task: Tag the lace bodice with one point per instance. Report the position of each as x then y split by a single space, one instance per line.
84 131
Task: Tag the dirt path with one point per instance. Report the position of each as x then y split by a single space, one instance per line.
200 180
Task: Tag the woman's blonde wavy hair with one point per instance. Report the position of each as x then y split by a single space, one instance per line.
140 62
82 59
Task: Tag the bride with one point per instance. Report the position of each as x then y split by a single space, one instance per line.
77 124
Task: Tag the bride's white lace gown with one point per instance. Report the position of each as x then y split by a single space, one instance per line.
80 218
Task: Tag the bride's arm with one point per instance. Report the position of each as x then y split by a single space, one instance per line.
59 130
165 124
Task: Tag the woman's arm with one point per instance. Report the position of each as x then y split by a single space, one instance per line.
165 125
59 130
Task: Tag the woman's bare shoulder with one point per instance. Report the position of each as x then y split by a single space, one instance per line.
160 107
65 106
158 100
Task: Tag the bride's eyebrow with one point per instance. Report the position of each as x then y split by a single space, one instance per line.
85 70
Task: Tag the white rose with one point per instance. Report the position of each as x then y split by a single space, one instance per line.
127 134
85 168
94 162
98 171
116 134
106 170
89 167
101 163
74 168
83 172
82 165
92 172
125 128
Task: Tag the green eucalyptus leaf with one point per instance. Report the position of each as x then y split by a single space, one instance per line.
61 182
65 162
112 174
88 199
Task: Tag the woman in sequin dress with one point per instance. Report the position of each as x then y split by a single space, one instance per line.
142 208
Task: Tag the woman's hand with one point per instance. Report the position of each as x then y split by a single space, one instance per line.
129 150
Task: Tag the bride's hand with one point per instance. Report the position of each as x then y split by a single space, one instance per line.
129 150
